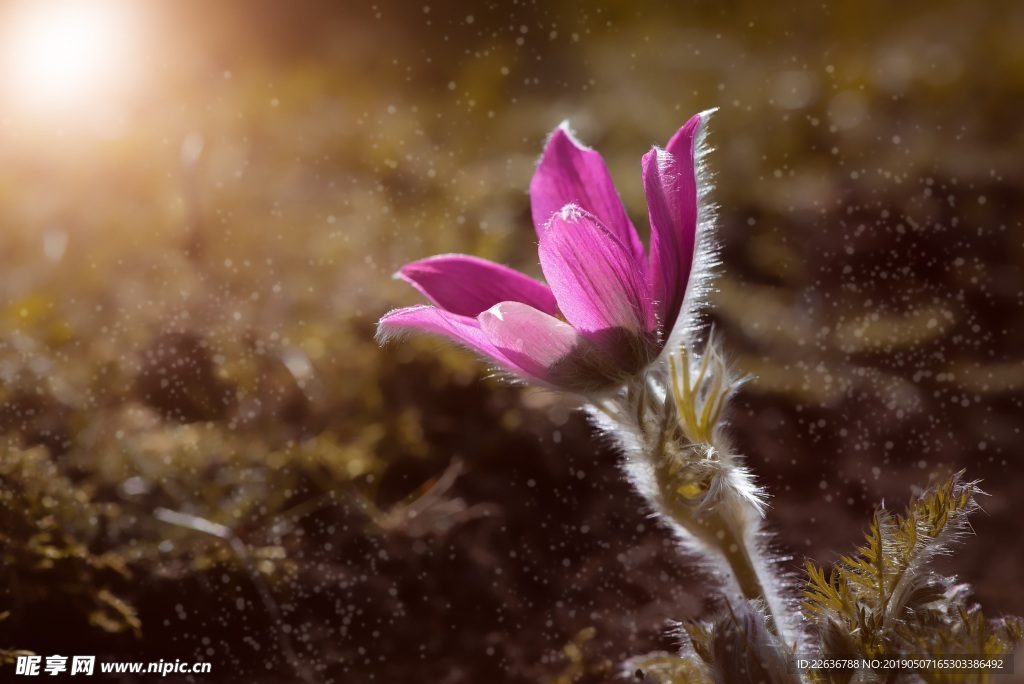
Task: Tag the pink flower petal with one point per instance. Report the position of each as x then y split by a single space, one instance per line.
466 285
532 339
570 173
460 329
550 349
599 284
670 184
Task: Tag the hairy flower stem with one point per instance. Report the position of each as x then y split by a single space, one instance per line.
723 534
679 459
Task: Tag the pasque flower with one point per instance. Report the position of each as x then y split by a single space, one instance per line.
607 310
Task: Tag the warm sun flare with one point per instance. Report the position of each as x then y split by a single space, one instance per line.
59 52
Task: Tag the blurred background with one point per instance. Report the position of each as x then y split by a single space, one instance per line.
207 457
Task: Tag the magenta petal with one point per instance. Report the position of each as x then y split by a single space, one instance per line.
570 173
599 284
551 350
466 285
533 340
670 183
460 329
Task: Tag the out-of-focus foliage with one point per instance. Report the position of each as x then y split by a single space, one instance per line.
669 668
190 272
9 656
738 647
48 526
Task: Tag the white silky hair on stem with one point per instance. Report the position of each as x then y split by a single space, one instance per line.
668 425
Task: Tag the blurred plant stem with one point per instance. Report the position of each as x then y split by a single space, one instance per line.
191 152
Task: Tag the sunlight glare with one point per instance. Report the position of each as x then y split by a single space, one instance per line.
62 52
